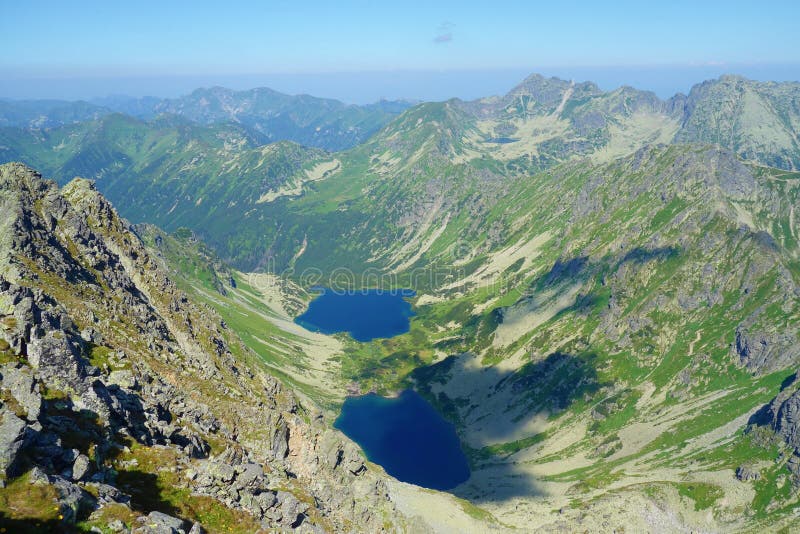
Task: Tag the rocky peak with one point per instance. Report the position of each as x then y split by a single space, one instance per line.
110 370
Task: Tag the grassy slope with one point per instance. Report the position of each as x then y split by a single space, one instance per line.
173 173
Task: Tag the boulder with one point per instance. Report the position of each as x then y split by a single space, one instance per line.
19 382
123 378
107 494
221 472
81 467
72 499
38 477
289 510
280 441
12 437
746 473
161 523
248 474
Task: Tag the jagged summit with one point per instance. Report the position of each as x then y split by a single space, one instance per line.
758 120
550 91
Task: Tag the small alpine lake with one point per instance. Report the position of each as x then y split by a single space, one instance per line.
365 314
407 437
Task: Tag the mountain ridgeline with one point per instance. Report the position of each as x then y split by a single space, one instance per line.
268 115
607 301
212 176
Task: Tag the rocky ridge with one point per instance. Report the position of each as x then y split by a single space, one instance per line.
111 376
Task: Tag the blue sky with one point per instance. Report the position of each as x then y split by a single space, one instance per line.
84 46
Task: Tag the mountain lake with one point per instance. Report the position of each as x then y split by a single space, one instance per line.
407 437
365 314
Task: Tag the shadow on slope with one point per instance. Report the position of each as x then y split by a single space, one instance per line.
34 526
507 399
538 389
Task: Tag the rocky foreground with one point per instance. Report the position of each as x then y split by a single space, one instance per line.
127 407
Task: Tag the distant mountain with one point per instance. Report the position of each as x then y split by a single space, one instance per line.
135 107
307 120
47 113
436 153
758 120
543 121
174 172
539 122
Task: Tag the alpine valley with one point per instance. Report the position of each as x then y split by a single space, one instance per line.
606 308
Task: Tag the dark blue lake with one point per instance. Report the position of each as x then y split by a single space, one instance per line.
407 437
364 314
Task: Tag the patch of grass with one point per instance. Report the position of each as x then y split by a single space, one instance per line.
7 356
12 404
153 485
475 512
100 357
509 448
774 493
107 514
703 494
52 394
618 411
25 507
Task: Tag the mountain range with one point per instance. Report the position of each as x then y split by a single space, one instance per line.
477 148
267 114
607 304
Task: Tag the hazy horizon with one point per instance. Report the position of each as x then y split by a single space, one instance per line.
372 86
359 52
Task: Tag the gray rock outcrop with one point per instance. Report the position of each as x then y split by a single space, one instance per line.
12 437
